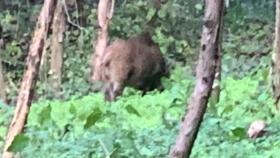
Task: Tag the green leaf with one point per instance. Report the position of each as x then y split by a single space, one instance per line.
93 118
265 74
108 140
72 109
198 6
60 113
132 110
45 115
162 13
263 97
150 14
19 143
239 132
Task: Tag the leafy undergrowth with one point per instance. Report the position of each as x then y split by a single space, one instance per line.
5 114
146 126
223 132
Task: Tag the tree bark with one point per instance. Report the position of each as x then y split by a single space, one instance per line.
205 76
80 8
44 64
58 28
2 84
2 80
276 58
104 14
30 75
215 97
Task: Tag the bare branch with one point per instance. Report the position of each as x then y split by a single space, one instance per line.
68 16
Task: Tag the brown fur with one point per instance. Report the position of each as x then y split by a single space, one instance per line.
136 62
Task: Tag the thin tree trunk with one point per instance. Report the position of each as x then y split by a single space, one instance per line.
276 58
2 80
215 97
80 8
30 75
44 64
2 83
58 28
104 14
205 76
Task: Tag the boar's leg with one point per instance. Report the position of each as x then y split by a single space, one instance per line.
113 90
107 91
152 83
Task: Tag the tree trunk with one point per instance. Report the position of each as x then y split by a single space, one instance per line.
104 14
205 76
2 80
2 84
215 97
44 64
58 28
30 75
80 8
276 58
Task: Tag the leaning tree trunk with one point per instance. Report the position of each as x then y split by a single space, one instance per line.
205 76
276 58
58 28
30 75
104 14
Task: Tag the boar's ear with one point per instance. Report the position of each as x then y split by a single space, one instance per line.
145 38
148 38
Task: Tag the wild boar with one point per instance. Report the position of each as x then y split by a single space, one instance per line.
136 62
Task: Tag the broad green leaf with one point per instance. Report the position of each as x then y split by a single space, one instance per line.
19 143
45 115
239 132
93 118
132 110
